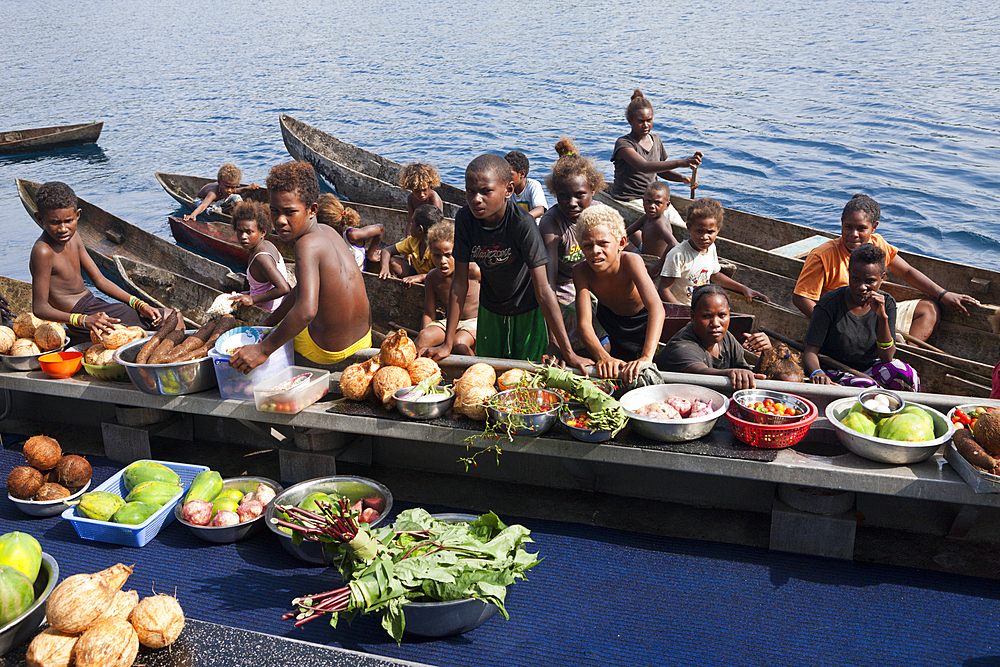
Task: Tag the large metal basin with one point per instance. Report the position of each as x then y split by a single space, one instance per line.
888 451
187 377
27 624
666 430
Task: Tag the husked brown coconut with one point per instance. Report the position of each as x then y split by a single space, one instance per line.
25 324
23 482
422 368
158 620
470 401
49 336
387 380
115 576
7 338
98 355
73 471
24 347
42 452
51 648
77 602
52 491
113 340
122 605
480 373
107 643
512 378
397 350
355 383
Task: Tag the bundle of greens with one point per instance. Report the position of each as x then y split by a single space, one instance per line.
604 412
417 559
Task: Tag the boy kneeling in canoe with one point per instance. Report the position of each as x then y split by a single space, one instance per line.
57 263
328 307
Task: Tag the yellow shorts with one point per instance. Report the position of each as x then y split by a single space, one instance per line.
307 347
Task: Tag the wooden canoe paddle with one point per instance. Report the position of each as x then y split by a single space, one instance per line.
694 180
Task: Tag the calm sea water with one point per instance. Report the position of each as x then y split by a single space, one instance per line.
796 107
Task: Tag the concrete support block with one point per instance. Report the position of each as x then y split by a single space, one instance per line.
815 500
127 443
320 439
297 465
129 416
813 534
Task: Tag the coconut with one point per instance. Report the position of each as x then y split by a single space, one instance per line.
470 400
51 648
113 340
25 324
158 620
24 347
73 471
422 368
52 491
110 642
355 383
397 350
49 336
122 605
512 378
7 338
98 355
42 452
480 373
23 482
387 380
81 599
115 576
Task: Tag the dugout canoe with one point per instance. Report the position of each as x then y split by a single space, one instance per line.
185 189
41 139
165 289
106 235
358 174
17 293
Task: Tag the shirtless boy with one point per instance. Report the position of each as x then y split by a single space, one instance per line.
437 288
57 263
222 191
516 302
627 304
652 233
328 307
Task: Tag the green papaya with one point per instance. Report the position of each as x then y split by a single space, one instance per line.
16 594
157 493
860 422
206 485
99 505
906 427
134 513
234 494
226 503
149 471
310 502
21 552
914 410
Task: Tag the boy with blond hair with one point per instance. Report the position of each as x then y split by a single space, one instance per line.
420 179
225 192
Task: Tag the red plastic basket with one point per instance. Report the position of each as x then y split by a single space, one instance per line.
772 436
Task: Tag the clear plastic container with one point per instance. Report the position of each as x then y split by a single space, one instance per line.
310 385
236 385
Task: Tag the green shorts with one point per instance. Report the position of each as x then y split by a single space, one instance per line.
522 336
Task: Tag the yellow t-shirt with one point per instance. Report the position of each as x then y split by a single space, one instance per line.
825 268
411 246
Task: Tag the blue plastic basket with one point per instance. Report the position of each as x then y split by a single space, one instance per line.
138 535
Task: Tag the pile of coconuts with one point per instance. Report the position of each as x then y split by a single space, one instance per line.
94 623
49 475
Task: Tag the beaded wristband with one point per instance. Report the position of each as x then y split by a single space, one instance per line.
136 303
885 346
941 295
77 320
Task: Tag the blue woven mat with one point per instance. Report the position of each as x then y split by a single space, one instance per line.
599 597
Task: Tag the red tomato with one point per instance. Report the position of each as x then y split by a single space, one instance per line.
768 402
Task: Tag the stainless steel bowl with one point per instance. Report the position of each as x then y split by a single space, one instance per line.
47 507
584 434
426 409
354 488
186 377
243 530
744 398
26 625
28 362
894 400
666 430
498 410
888 451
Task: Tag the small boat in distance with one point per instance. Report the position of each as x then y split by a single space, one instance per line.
48 138
185 189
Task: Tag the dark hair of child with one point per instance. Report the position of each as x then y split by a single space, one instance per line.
782 363
333 213
518 161
659 186
416 175
442 231
565 146
707 289
492 165
295 177
572 164
253 210
639 101
867 254
55 195
229 172
427 215
706 207
866 205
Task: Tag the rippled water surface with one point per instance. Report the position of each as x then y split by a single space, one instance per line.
796 108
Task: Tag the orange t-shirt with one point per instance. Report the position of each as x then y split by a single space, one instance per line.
826 267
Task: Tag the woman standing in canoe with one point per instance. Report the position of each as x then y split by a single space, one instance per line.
639 156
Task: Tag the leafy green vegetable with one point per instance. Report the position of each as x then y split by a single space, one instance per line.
604 411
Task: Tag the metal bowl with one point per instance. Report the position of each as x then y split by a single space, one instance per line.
584 434
894 400
524 424
47 507
26 625
243 530
186 377
747 397
443 619
28 362
972 407
355 488
666 430
888 451
426 409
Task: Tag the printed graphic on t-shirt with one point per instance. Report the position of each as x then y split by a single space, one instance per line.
703 278
488 256
573 254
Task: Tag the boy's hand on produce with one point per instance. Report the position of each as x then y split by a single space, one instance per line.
152 314
632 369
610 367
241 300
436 353
101 322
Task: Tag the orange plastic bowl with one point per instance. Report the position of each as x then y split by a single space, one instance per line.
61 364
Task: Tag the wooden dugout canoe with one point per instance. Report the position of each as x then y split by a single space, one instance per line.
185 189
17 293
48 138
106 235
358 174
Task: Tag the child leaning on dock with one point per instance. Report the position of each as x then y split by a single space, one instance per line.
695 262
363 241
223 193
327 312
413 248
627 305
266 267
528 192
420 179
437 287
516 302
57 263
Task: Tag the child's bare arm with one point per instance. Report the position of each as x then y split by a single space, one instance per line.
40 265
200 208
430 298
553 318
634 231
636 270
246 188
456 301
584 315
387 254
663 228
664 290
723 280
271 274
358 235
638 163
88 266
550 238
